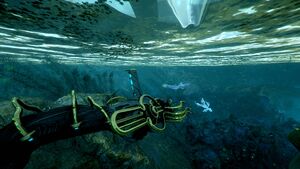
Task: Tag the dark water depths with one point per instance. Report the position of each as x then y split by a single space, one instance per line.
254 107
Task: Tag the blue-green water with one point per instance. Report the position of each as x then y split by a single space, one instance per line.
253 110
242 59
231 32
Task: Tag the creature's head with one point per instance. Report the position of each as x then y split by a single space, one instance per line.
149 112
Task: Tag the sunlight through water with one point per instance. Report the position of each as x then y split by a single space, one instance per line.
230 33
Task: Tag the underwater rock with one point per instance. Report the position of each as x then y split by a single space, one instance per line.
295 163
294 138
99 150
206 158
234 144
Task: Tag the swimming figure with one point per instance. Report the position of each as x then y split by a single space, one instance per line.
205 105
176 87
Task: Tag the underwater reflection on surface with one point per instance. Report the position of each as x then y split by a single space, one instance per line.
231 32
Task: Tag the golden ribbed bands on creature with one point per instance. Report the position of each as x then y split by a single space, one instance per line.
125 119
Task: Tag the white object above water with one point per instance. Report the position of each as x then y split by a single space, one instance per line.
83 1
122 6
205 105
119 5
188 12
181 85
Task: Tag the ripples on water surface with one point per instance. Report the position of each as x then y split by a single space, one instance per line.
232 32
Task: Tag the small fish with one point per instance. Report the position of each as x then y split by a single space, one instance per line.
176 87
205 105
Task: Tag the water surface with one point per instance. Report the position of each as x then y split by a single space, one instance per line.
232 32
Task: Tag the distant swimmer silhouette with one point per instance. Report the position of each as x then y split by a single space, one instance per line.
205 105
181 85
